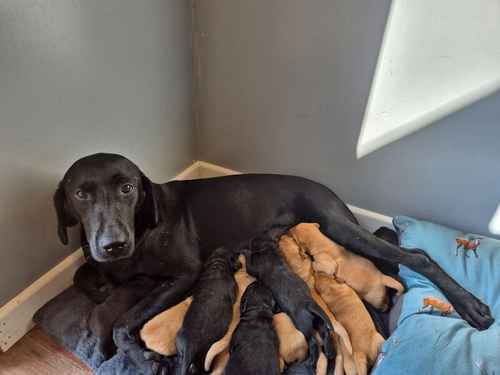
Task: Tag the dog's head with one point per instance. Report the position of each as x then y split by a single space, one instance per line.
108 195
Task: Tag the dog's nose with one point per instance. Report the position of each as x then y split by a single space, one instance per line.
115 247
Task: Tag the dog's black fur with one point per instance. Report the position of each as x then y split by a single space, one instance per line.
165 231
290 291
254 347
210 313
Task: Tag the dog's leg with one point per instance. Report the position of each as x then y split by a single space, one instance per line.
160 299
361 241
103 316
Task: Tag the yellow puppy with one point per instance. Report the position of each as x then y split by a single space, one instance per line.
221 348
358 272
160 332
300 263
293 344
350 311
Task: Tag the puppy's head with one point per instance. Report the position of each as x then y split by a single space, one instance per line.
257 297
108 195
223 259
303 232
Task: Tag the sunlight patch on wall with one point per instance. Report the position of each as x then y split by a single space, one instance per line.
494 226
436 58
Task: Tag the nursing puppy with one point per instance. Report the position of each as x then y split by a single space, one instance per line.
350 311
221 347
291 293
292 343
159 333
210 313
314 364
358 272
254 345
300 263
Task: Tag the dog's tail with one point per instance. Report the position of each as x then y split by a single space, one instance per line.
393 284
216 348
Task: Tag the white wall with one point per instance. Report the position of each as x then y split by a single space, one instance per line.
437 57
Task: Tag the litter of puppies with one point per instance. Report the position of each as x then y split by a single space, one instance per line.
293 306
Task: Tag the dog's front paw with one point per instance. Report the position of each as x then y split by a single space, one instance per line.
472 310
159 364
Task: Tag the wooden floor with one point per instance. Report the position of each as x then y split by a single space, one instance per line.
37 354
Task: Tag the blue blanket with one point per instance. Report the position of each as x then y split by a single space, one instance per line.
425 341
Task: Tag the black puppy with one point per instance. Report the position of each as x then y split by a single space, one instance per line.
210 313
166 231
290 291
254 347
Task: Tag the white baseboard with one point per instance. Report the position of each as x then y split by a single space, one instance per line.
16 315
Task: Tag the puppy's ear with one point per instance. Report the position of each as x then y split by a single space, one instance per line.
149 208
64 216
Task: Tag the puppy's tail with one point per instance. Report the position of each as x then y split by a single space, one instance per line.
393 284
216 348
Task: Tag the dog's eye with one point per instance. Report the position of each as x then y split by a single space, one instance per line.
127 188
80 194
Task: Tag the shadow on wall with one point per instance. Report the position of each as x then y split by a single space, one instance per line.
27 225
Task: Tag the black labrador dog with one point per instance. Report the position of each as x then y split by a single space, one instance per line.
254 347
210 313
133 227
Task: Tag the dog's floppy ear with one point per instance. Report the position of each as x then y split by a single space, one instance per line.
64 217
149 211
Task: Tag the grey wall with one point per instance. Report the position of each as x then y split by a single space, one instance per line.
77 77
283 86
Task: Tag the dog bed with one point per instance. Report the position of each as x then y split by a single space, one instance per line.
65 318
428 342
